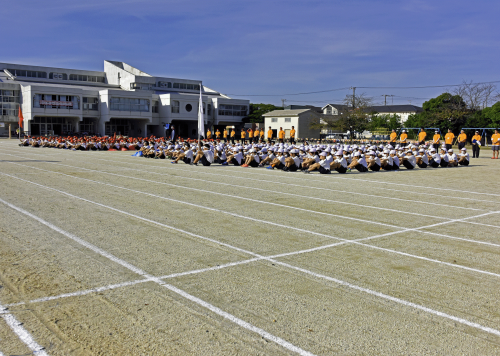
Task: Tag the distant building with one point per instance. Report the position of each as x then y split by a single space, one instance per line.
334 109
300 118
403 111
121 99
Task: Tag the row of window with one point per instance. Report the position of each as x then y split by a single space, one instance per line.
90 103
129 104
50 120
9 102
51 101
60 76
186 86
145 86
287 119
10 93
232 110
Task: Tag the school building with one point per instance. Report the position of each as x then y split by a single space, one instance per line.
121 99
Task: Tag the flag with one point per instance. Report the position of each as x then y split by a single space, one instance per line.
201 119
21 118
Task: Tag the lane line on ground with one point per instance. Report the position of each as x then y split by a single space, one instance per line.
346 241
137 270
21 332
242 322
374 293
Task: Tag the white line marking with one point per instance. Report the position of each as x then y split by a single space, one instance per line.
378 294
345 241
144 274
21 332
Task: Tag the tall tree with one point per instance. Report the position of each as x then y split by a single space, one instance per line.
257 110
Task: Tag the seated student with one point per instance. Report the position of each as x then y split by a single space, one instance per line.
236 158
409 161
292 163
386 161
374 162
358 162
434 158
422 159
186 156
205 155
323 165
452 159
267 158
464 157
252 159
310 159
160 153
444 158
340 163
220 155
395 160
279 161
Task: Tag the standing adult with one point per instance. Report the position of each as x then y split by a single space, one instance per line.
448 139
243 135
476 145
224 134
256 134
233 135
281 135
393 137
436 140
403 138
292 135
250 135
421 137
495 144
269 135
462 139
172 134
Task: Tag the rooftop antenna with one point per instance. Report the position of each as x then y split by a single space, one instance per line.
385 98
283 103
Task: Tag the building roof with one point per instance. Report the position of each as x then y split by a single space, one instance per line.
287 112
337 106
296 107
395 108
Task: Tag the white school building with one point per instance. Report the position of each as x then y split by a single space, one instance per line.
121 99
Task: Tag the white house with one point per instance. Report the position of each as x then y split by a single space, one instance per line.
301 119
403 111
120 99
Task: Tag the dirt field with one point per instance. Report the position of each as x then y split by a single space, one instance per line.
102 253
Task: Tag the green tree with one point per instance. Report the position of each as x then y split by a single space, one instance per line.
257 110
387 122
491 116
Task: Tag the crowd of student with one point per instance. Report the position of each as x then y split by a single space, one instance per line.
286 156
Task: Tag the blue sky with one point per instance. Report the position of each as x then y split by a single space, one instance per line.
267 47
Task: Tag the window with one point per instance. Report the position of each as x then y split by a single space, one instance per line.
288 119
86 78
156 106
329 111
129 104
141 86
209 108
187 86
58 76
164 85
9 102
232 110
87 125
27 73
189 107
51 101
175 106
90 103
274 119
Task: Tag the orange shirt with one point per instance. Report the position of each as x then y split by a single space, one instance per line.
224 134
262 133
209 134
217 133
250 133
256 133
292 133
462 138
281 134
269 133
476 137
403 137
233 133
448 138
393 137
436 138
422 135
243 133
495 139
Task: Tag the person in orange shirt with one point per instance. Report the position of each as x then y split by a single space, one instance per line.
281 135
233 135
262 135
392 138
250 135
217 134
403 138
476 145
292 135
269 134
495 144
224 134
243 135
436 140
209 134
421 137
448 139
256 134
462 139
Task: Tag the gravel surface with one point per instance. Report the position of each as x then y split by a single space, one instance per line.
252 261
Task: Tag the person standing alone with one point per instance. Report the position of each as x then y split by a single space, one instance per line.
448 139
495 144
476 145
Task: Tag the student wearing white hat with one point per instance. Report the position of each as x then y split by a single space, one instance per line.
358 162
235 158
422 159
340 163
310 159
434 158
186 155
205 155
252 159
444 158
452 159
463 158
409 161
323 165
292 163
374 162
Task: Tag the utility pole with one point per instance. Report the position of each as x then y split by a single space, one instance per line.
353 97
385 98
283 102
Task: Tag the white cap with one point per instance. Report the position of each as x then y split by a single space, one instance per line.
450 150
464 149
323 154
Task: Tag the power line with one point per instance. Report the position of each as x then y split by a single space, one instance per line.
346 88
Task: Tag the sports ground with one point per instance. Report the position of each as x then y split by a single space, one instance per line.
102 253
